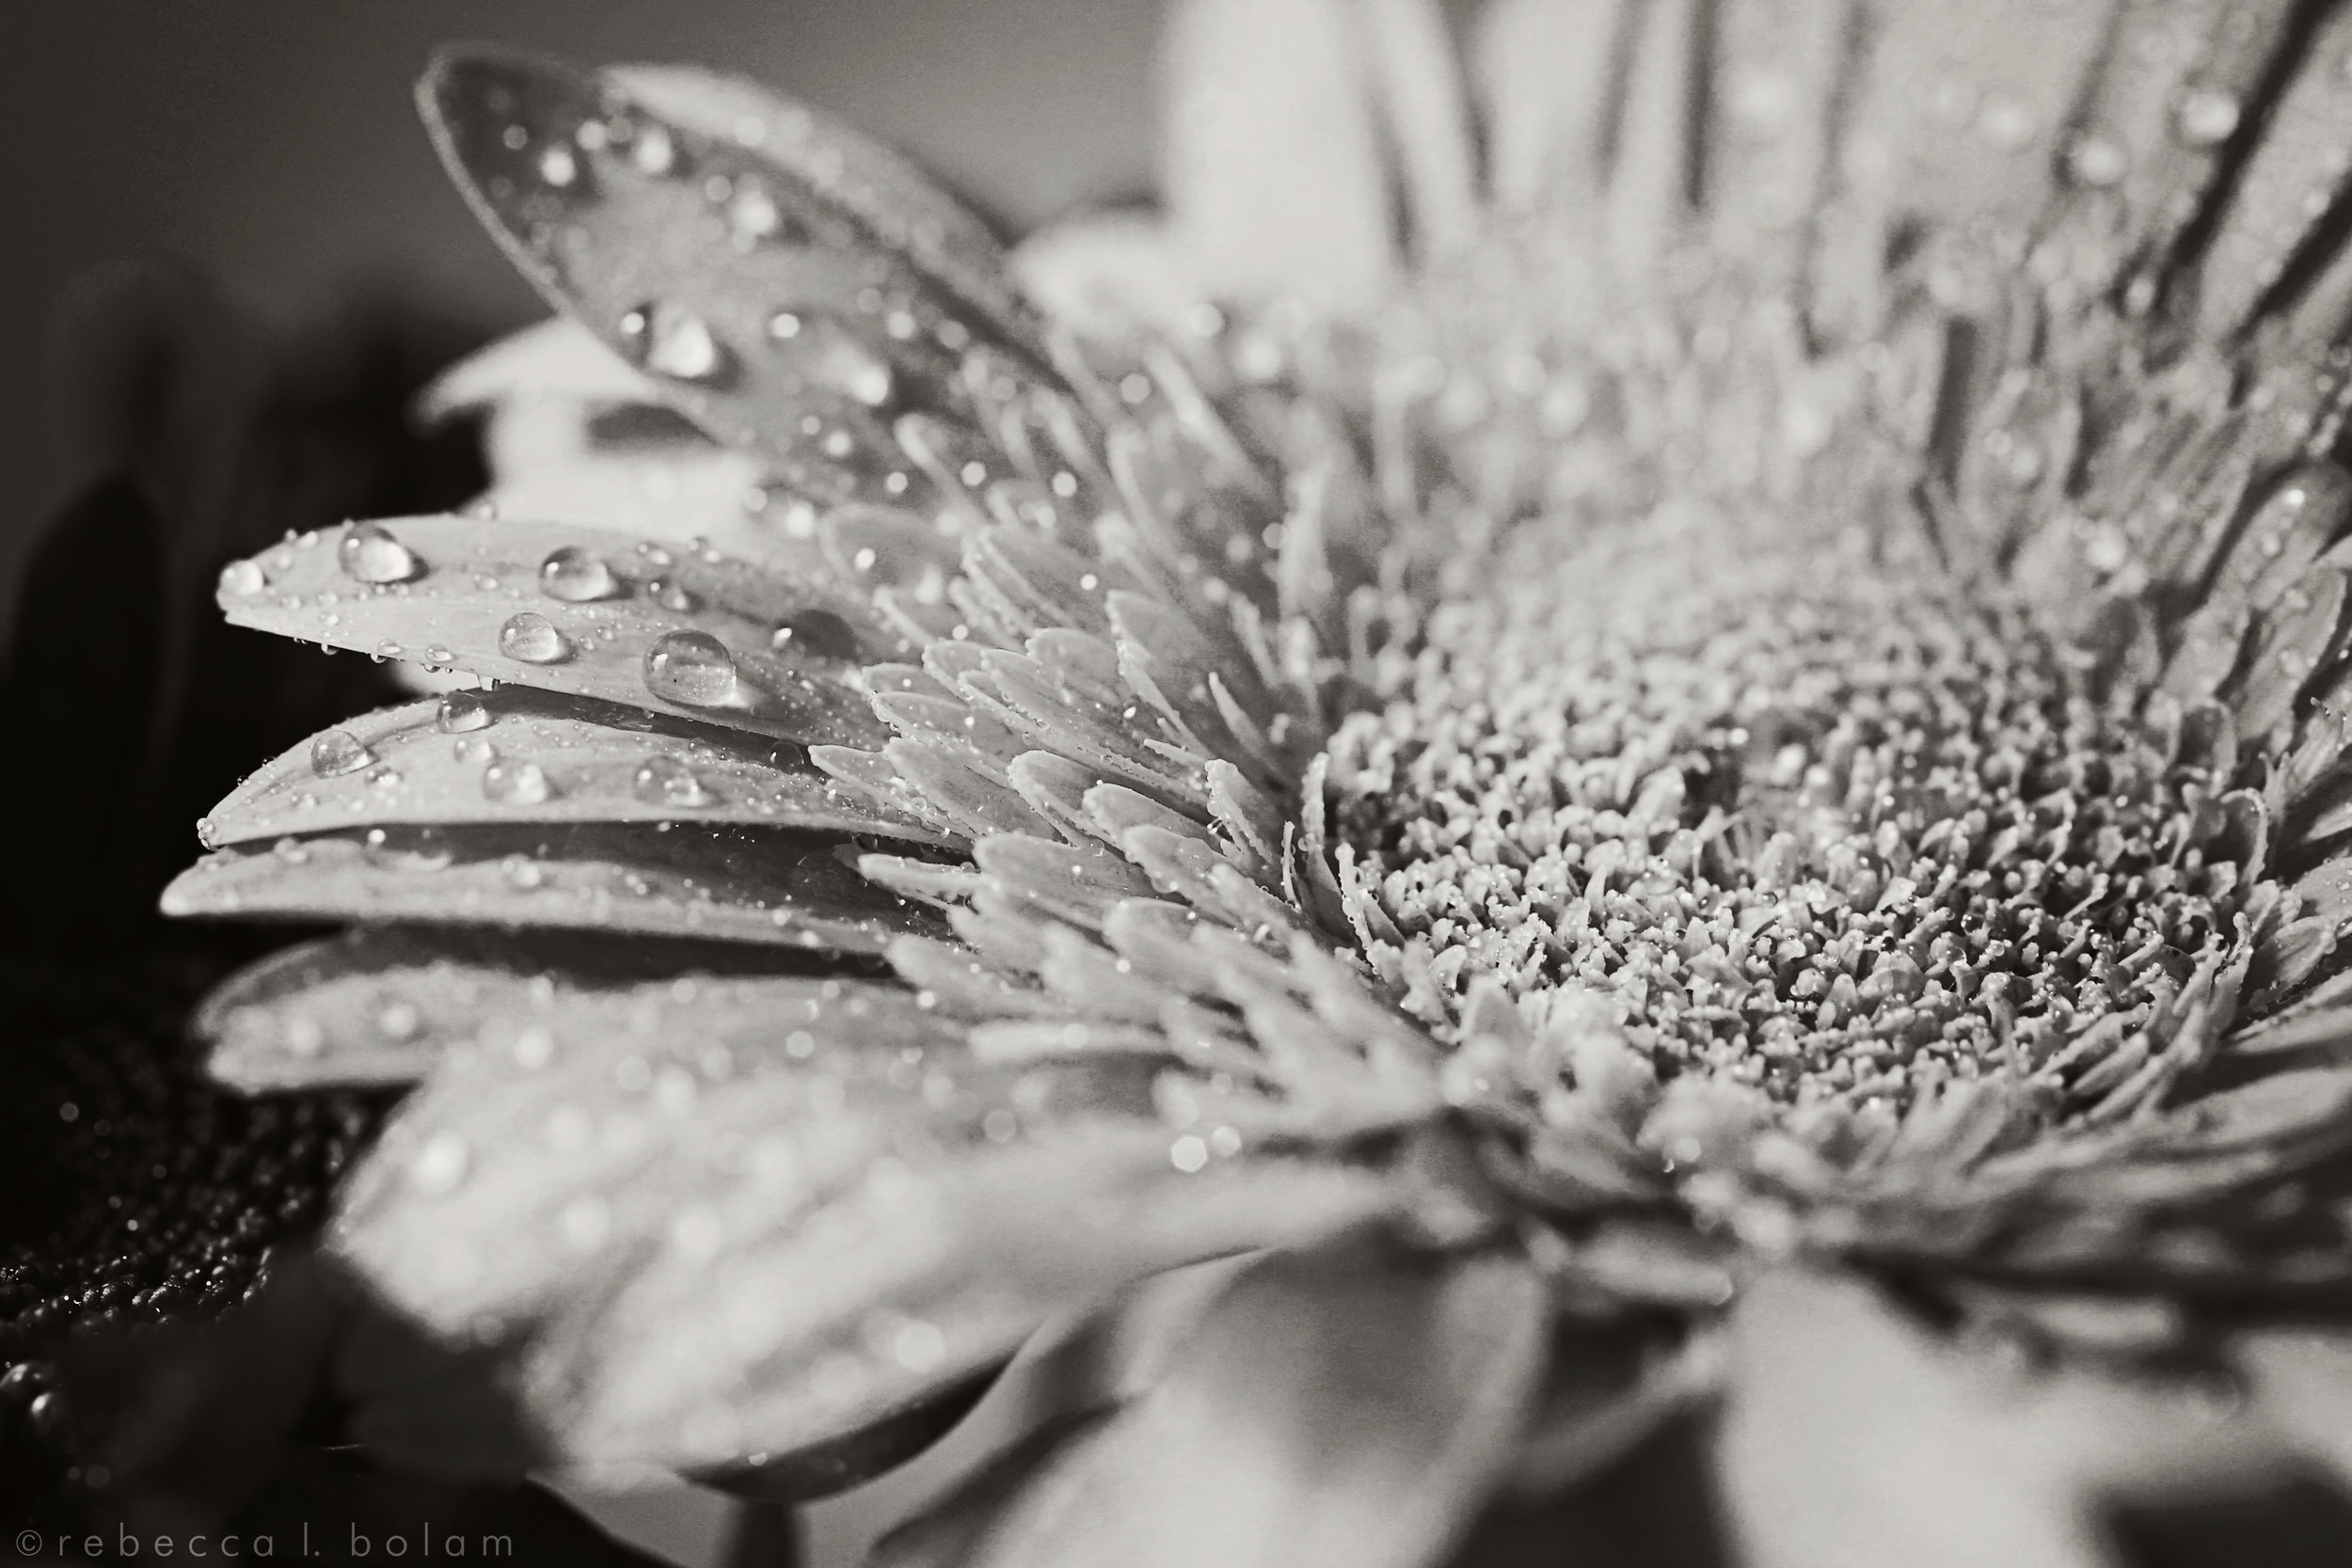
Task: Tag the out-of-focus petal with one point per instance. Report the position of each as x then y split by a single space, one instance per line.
1851 1438
1271 160
1342 1410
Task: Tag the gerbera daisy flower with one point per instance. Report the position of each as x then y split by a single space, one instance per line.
1605 710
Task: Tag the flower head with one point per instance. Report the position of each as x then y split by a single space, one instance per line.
1762 696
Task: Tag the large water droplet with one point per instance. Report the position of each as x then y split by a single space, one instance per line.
576 576
671 340
2205 117
338 751
369 554
663 780
440 1164
671 595
690 668
243 579
516 783
532 639
461 712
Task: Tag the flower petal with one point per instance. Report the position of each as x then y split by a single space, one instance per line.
780 888
1270 161
519 755
555 360
1345 1410
793 286
2263 240
1853 1439
386 1004
578 611
1547 71
763 1219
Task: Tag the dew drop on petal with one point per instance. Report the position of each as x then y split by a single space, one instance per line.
398 1021
440 1164
690 668
535 1047
671 340
338 751
532 639
918 1346
577 576
753 214
663 780
655 151
368 554
461 712
2205 118
516 783
243 578
304 1036
2095 162
558 166
671 595
817 634
522 872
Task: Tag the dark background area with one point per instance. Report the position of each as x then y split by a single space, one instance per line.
271 144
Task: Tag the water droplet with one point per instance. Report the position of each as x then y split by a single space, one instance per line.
1189 1154
2095 162
577 576
535 1047
440 1164
817 634
2006 125
369 554
655 151
461 712
338 752
305 1035
558 167
690 668
2205 117
673 340
243 578
532 639
753 214
663 780
398 1021
516 783
671 595
835 356
522 872
918 1346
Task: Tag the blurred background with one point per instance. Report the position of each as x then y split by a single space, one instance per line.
271 145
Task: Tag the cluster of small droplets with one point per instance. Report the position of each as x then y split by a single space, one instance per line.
1804 828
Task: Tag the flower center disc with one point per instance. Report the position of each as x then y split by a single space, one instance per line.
1796 825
